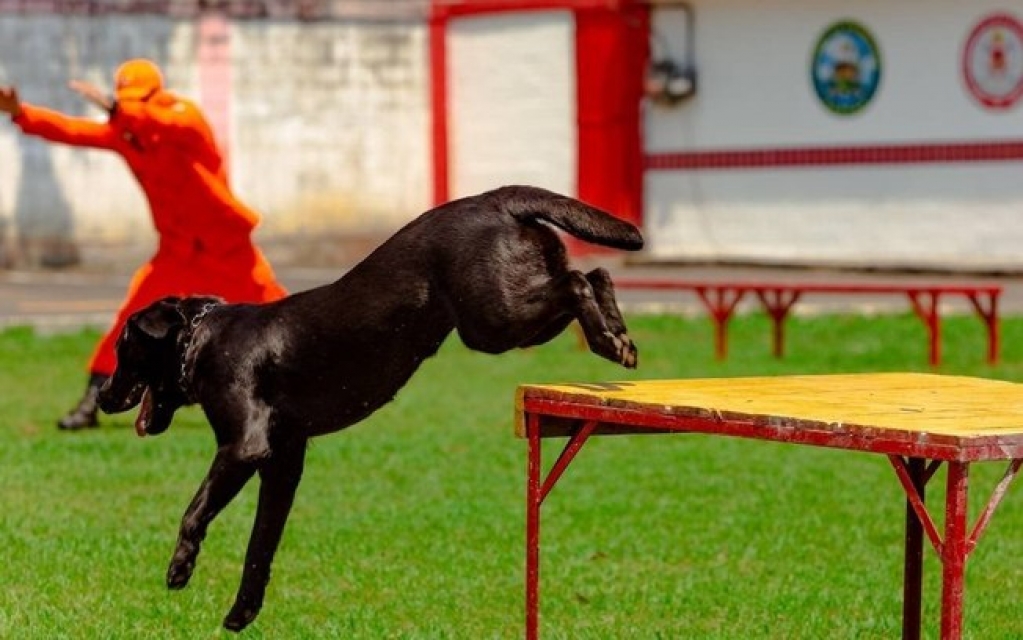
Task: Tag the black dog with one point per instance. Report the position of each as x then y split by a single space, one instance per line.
271 376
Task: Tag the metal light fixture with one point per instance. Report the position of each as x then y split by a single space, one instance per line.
670 81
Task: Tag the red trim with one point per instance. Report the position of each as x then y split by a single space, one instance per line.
444 9
611 54
947 152
440 12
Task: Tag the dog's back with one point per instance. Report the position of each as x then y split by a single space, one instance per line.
490 266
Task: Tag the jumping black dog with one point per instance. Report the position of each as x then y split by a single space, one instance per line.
271 376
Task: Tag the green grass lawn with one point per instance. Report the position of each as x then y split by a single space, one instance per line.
411 524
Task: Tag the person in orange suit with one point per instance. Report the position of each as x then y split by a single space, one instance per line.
205 244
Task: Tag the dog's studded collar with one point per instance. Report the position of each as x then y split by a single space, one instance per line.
187 336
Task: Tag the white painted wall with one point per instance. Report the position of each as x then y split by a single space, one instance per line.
331 124
755 91
329 127
329 130
512 95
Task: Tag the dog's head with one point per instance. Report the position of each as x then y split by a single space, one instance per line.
150 352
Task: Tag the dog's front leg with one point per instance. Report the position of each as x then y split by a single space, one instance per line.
279 477
226 477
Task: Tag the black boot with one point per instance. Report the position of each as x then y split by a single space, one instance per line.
83 416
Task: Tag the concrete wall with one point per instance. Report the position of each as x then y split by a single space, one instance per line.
326 125
755 93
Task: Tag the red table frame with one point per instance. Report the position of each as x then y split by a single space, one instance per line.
914 462
778 298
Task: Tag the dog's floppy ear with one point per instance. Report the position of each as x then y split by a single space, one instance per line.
158 319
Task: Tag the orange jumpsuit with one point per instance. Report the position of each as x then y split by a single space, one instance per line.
205 244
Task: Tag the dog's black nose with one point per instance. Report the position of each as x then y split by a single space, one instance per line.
110 401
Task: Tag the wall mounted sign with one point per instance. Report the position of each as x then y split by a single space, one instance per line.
845 67
993 61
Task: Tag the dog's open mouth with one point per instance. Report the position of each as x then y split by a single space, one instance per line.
155 414
145 417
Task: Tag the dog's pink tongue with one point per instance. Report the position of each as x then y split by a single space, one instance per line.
145 414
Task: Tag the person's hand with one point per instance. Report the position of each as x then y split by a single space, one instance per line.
92 93
9 102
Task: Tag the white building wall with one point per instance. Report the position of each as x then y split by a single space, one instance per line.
52 195
512 95
329 128
755 92
331 124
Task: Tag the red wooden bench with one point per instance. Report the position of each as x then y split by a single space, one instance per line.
778 298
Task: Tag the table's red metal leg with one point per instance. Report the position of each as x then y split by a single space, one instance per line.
536 490
533 500
912 588
954 551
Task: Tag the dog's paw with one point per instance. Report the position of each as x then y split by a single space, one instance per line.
179 573
628 356
240 616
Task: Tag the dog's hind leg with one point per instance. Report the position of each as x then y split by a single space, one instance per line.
226 477
604 293
600 319
591 298
279 478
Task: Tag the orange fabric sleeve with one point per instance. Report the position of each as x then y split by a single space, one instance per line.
57 127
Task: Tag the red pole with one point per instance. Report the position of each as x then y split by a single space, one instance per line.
439 106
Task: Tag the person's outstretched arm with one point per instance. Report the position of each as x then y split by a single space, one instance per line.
55 126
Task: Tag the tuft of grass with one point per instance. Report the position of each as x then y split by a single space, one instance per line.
411 524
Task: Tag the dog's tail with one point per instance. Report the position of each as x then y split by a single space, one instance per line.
525 203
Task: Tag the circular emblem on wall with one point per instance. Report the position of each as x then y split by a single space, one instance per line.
846 67
993 61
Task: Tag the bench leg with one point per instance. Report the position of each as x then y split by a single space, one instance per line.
989 316
778 303
720 303
925 305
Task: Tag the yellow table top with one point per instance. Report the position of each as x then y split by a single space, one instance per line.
919 405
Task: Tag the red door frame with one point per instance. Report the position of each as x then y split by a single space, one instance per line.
611 50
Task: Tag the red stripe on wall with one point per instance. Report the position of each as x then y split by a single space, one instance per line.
955 152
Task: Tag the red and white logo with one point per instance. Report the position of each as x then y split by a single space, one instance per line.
993 61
